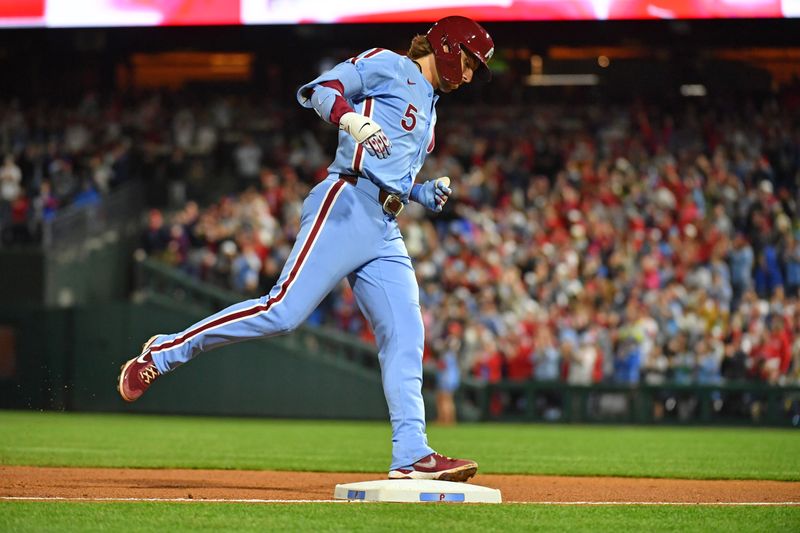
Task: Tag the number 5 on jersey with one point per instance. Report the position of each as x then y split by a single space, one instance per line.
409 121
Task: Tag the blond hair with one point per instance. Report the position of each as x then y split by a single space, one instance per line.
420 47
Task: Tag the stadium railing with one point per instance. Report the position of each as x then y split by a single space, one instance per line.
116 212
83 256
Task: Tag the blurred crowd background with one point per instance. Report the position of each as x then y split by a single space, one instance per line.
617 243
641 240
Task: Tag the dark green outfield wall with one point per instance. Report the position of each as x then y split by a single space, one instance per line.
70 359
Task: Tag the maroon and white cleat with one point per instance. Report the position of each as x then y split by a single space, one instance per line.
437 466
138 374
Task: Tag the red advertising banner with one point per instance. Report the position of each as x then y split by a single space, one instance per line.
21 8
192 12
99 13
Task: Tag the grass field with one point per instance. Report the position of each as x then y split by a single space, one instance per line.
47 516
54 439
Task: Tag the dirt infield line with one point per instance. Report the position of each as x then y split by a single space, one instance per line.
127 484
220 500
160 500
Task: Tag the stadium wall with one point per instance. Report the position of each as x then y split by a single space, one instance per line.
70 359
62 278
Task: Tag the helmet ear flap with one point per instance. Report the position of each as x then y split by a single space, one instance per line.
447 54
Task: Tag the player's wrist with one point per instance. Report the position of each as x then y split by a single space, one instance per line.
349 119
339 109
358 126
414 194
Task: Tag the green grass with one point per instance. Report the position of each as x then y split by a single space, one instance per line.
58 439
48 516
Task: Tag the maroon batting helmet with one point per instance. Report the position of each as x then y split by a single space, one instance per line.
452 34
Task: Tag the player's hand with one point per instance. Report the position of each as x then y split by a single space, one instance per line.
432 194
367 132
378 145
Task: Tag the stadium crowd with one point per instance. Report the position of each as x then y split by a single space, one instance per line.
56 154
595 243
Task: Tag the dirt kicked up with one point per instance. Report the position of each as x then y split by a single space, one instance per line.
21 482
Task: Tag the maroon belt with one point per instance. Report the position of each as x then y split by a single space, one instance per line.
391 203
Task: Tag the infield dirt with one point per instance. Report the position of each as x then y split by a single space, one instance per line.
101 483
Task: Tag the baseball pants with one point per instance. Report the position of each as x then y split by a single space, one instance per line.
344 233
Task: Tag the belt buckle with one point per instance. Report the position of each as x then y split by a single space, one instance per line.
393 205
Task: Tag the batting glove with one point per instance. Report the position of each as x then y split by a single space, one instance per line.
432 194
367 132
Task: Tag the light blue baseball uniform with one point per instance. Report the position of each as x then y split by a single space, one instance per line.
345 233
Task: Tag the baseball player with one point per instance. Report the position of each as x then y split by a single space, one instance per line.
384 106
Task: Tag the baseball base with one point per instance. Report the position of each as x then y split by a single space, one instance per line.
416 491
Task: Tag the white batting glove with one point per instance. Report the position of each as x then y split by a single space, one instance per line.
367 132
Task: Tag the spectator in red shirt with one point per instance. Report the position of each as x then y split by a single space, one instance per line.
776 351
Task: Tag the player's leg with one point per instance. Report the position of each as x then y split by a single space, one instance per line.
387 293
320 259
316 264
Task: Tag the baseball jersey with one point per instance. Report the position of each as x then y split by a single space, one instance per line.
390 89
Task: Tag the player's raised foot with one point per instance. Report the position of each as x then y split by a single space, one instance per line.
138 374
437 466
